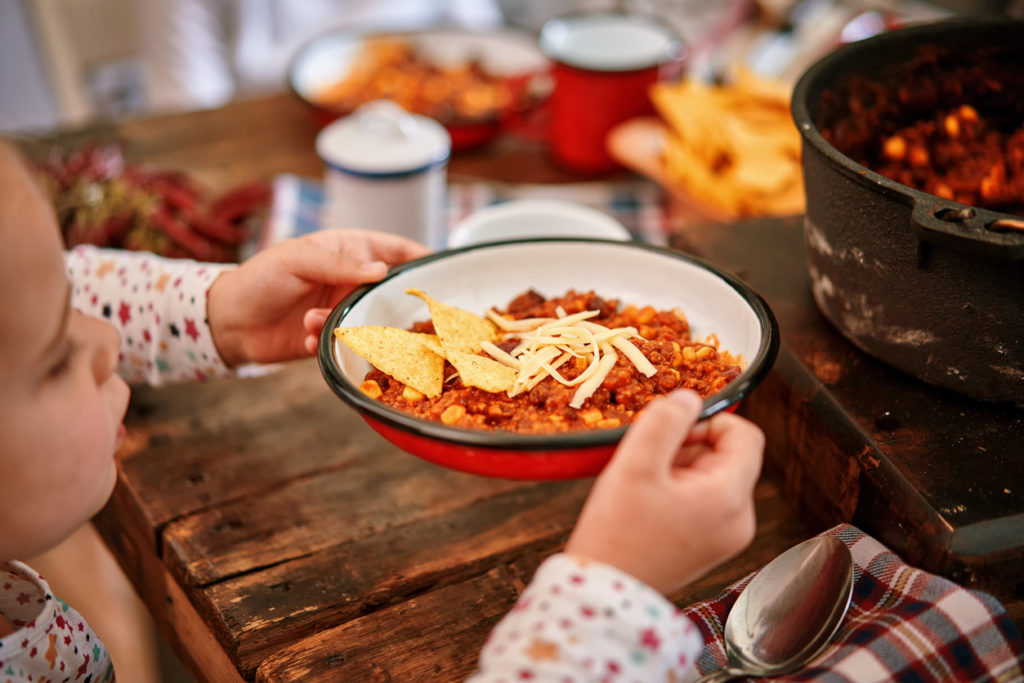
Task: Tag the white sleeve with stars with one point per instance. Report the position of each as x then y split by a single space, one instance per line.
586 621
157 304
52 641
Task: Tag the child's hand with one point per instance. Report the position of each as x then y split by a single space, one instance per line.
676 499
273 306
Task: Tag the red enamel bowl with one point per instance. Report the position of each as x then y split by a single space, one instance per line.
485 275
509 55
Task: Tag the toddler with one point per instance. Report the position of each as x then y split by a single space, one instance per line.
63 402
675 500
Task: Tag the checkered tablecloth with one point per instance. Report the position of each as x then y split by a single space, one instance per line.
904 624
640 205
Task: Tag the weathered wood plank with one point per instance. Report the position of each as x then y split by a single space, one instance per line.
262 611
307 515
263 432
181 625
437 635
171 430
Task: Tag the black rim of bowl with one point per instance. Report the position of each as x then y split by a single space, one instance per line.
757 367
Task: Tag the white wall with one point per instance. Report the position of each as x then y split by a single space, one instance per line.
65 62
26 101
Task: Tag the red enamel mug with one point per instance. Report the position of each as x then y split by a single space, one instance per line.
604 65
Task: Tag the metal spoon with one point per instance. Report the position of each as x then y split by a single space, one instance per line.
788 612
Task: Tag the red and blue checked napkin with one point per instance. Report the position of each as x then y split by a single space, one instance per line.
904 624
640 205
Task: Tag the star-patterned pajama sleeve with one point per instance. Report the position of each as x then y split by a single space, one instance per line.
157 304
52 641
583 621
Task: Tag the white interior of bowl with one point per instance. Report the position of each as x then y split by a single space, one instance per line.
522 218
504 53
491 276
323 62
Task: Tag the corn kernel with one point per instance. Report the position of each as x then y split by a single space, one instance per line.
677 355
988 187
410 394
952 125
609 423
968 113
689 354
646 315
591 417
704 352
371 389
453 414
895 148
919 156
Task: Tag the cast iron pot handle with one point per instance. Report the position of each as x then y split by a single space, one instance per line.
967 229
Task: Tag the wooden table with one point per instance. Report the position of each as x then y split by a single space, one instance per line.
934 475
275 537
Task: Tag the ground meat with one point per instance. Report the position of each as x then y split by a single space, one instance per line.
940 123
679 362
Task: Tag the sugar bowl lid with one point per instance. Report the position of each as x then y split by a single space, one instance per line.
380 139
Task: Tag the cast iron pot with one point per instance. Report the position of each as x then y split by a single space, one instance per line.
931 286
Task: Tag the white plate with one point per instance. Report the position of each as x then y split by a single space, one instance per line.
527 218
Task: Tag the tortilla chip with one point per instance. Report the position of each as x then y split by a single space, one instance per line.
431 342
404 355
482 372
732 148
456 329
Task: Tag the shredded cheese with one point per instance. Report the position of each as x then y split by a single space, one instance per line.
545 344
588 388
508 325
540 375
633 354
499 355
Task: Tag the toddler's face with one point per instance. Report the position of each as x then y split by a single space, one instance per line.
61 404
